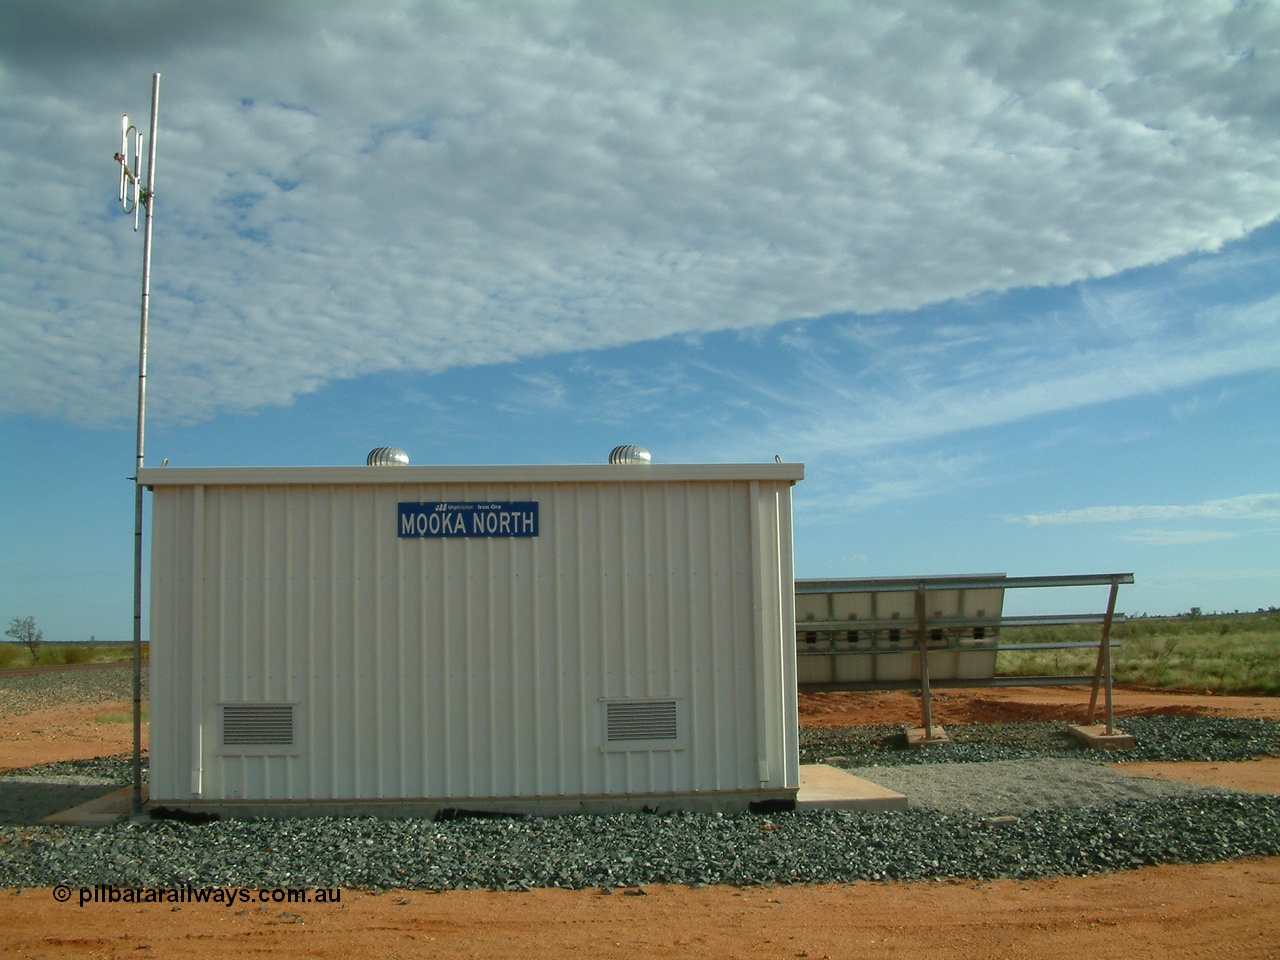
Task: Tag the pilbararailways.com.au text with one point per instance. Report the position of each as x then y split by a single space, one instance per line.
104 893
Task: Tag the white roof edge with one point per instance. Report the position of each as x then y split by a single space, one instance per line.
408 475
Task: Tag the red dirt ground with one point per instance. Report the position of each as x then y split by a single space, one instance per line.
1227 910
1009 704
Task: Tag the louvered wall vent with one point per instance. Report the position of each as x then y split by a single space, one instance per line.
642 724
252 725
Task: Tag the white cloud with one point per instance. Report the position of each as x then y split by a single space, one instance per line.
538 391
888 386
349 188
1176 538
1251 507
887 480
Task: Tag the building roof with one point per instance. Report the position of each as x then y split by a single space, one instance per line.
433 474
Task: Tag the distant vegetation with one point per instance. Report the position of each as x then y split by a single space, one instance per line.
1216 653
51 654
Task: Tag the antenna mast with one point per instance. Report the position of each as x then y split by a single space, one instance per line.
133 195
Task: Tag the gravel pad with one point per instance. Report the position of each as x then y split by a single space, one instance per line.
1005 787
639 849
1158 738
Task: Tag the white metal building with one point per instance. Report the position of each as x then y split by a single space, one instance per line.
407 639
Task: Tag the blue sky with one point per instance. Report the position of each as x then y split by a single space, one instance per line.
1005 281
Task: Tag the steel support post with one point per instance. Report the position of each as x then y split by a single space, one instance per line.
922 639
1102 670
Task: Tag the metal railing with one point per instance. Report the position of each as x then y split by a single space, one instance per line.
958 641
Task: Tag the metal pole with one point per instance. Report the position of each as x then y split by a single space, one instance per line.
926 697
1106 657
147 197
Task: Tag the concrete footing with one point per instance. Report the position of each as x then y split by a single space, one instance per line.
99 812
1095 736
920 737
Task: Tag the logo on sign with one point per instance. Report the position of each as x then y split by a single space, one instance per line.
503 518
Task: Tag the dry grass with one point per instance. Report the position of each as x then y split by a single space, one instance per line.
52 654
1227 653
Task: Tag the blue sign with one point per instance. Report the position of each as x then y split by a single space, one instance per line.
503 518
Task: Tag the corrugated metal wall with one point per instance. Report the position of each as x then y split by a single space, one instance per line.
470 668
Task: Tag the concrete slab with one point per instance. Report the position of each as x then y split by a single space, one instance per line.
824 787
1096 737
919 737
100 812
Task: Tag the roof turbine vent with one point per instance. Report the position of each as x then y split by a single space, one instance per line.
387 457
629 453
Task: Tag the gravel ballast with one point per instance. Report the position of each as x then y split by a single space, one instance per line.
1011 800
29 692
1019 787
640 849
